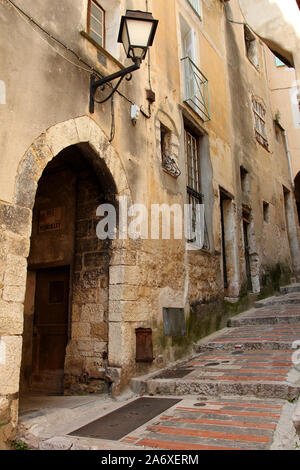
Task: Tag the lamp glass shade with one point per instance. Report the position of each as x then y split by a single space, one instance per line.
136 33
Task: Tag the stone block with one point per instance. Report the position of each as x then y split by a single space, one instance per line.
74 365
99 331
121 342
92 313
57 443
14 293
124 275
16 270
82 296
129 311
61 136
4 411
94 367
80 330
123 257
96 259
76 313
83 126
7 435
91 279
123 292
18 245
16 219
11 318
85 345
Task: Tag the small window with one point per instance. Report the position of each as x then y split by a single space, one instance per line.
279 62
251 46
193 166
266 212
244 175
96 22
195 197
260 123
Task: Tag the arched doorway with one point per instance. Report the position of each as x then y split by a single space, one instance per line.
66 304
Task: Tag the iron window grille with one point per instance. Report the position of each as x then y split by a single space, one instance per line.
194 194
260 123
96 22
196 91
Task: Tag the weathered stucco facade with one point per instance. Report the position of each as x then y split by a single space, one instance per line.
58 160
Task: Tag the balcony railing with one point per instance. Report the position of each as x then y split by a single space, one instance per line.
196 92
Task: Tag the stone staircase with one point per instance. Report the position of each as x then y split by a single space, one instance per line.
252 357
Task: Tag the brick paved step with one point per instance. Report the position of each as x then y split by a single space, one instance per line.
267 316
205 387
213 424
247 345
291 288
267 373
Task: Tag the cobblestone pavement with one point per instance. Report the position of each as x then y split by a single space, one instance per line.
216 424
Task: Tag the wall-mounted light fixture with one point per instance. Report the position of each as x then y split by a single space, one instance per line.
137 31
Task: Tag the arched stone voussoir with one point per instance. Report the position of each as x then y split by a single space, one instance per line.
50 143
61 136
30 170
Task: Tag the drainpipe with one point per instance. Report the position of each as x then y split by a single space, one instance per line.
226 13
289 157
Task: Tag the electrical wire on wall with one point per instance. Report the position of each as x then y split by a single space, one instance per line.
91 70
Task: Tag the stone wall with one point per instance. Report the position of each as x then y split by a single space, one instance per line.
14 248
87 351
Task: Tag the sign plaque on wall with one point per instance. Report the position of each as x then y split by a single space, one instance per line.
50 219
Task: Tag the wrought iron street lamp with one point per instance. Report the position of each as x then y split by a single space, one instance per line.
137 31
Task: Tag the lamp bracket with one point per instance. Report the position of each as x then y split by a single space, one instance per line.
95 84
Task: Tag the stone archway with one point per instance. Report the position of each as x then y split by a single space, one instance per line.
81 131
51 143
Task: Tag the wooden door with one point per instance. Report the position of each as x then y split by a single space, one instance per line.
50 329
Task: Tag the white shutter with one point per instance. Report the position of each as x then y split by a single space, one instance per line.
189 50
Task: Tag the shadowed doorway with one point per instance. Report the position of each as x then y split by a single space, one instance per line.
65 339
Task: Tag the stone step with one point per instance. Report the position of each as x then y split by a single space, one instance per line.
296 416
245 345
236 322
252 337
181 387
289 289
225 423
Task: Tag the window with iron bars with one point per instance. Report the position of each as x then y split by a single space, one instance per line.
260 123
195 197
